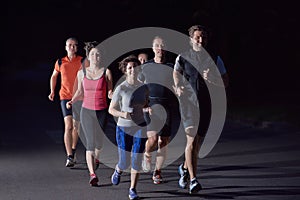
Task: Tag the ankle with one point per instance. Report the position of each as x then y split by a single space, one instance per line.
118 169
147 154
193 179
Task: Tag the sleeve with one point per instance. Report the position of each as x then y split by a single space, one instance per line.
116 95
141 77
56 66
178 64
221 66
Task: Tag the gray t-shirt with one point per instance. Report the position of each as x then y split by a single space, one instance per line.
132 99
159 78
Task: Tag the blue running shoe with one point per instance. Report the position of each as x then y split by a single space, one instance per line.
132 194
184 175
116 177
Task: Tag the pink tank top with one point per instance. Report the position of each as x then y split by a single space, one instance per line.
95 93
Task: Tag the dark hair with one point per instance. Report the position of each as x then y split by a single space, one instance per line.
125 61
203 30
89 45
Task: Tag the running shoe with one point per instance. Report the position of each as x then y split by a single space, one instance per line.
70 162
157 178
93 180
133 194
194 186
116 177
184 174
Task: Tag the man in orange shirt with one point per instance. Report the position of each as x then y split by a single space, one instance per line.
67 67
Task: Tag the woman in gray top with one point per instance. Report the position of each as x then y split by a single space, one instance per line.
129 102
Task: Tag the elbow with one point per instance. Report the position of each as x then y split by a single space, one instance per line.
110 110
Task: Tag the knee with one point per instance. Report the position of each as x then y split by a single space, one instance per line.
152 140
68 128
123 165
76 127
163 142
189 147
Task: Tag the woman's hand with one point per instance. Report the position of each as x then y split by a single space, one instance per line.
110 94
125 115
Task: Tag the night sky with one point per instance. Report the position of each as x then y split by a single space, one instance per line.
258 40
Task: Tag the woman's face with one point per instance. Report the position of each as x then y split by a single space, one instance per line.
94 56
132 69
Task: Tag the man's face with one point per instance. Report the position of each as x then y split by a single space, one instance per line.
199 39
143 58
71 46
158 47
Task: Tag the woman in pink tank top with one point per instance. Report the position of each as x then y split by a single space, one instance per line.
94 83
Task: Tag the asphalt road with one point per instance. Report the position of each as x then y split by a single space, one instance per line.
246 163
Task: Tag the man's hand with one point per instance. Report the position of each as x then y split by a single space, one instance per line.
51 96
205 74
179 90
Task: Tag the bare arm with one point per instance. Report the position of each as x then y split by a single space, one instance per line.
113 110
79 92
109 83
177 86
53 81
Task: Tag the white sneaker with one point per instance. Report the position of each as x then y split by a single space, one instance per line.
70 162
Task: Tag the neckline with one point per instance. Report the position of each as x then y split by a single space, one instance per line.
94 79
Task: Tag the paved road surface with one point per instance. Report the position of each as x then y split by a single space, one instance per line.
246 163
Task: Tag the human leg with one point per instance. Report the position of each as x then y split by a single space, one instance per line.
190 136
136 158
88 122
134 176
195 153
75 135
76 108
68 140
191 155
68 128
161 152
160 158
90 159
124 142
150 146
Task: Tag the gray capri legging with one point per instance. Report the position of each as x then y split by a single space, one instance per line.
93 124
76 108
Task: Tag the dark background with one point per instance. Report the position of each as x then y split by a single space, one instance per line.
258 41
